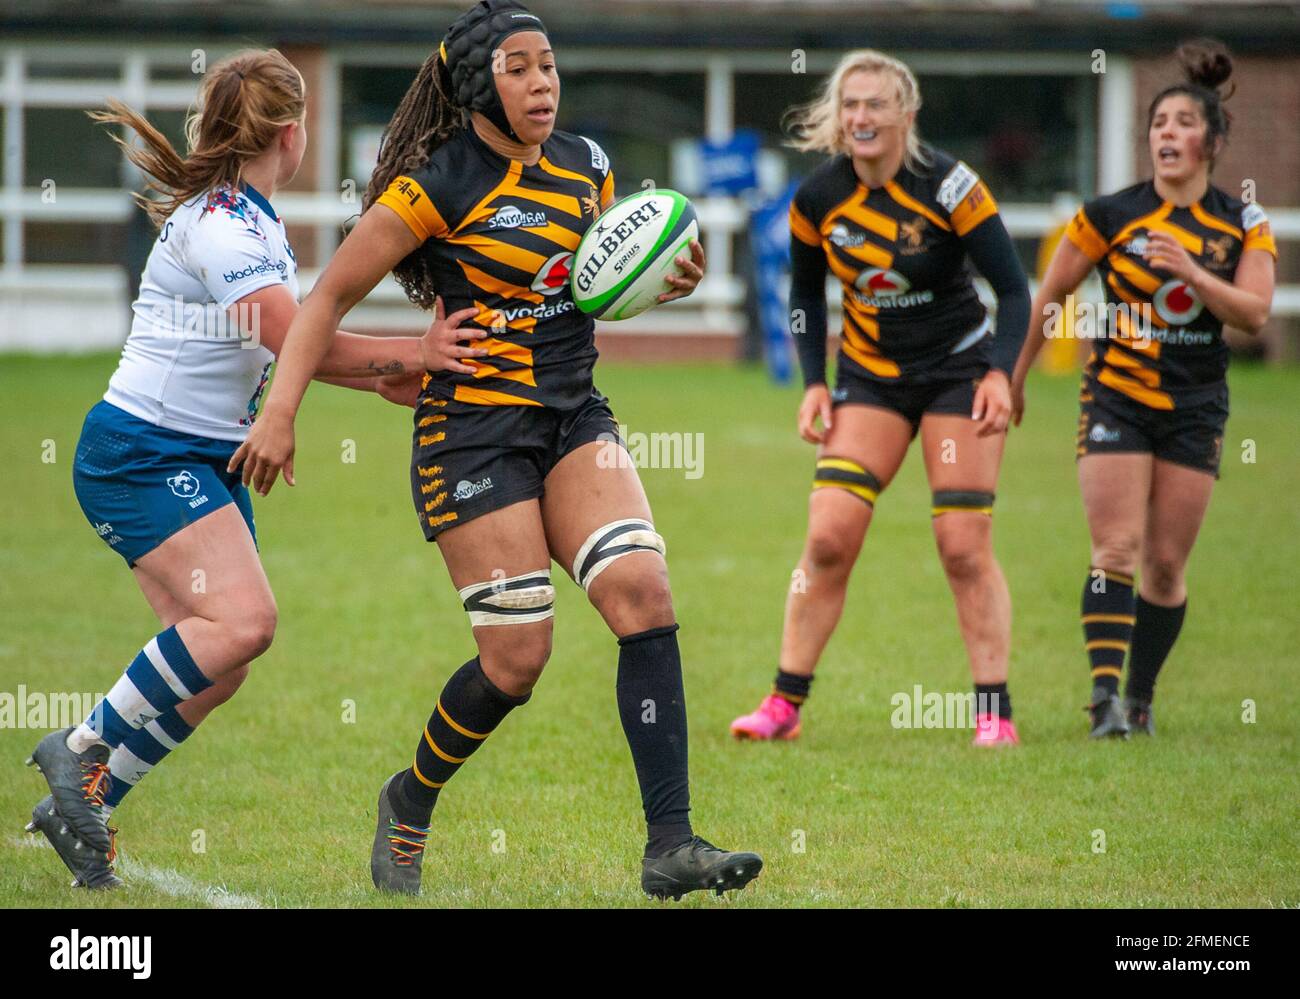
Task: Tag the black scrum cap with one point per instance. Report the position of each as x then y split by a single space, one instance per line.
467 52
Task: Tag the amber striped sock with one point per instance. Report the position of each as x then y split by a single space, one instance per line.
469 708
1108 615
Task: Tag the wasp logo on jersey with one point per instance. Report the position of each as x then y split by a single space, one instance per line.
914 235
1218 249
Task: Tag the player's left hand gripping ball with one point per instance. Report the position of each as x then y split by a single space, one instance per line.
641 251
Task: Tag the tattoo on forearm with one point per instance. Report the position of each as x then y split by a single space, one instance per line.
378 370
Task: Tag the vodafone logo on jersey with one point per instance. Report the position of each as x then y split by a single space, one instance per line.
554 274
1176 303
880 283
880 288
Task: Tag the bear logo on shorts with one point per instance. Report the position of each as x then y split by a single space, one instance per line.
184 485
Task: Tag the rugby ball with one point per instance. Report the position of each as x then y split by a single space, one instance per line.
619 268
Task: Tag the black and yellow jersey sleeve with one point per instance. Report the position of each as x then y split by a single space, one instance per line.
1258 234
801 228
1157 343
901 253
409 198
965 198
499 237
1086 230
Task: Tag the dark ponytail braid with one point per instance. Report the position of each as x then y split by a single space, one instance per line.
427 117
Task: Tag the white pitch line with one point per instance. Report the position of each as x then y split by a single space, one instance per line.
30 842
165 880
177 885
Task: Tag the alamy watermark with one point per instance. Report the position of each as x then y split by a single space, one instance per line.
655 450
40 710
919 708
1136 324
184 320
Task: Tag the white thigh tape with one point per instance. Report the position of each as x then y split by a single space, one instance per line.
517 600
613 541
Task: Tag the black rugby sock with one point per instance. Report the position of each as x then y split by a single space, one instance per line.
993 696
1154 635
652 707
791 686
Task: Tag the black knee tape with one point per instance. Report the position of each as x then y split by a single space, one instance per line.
961 501
844 473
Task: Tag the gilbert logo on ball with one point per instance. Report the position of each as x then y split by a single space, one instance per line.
620 267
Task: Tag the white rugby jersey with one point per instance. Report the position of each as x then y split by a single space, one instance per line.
185 366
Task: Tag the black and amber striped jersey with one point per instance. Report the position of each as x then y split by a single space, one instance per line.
1159 345
900 252
499 236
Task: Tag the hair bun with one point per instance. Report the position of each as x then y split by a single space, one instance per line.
1206 62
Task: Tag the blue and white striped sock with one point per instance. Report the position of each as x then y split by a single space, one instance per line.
158 679
141 751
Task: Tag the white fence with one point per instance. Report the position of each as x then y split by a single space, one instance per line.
67 308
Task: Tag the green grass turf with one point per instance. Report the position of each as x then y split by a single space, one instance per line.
283 789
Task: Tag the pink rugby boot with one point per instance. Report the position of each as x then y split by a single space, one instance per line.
990 730
776 718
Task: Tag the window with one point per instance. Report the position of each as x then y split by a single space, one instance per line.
762 99
65 146
634 116
1028 136
1025 135
369 96
75 242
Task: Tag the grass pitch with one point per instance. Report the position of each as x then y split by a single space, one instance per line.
272 801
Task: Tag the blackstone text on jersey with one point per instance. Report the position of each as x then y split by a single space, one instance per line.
266 266
611 242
